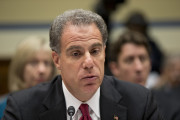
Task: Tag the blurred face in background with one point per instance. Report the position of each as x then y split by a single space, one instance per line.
171 71
38 69
174 72
133 64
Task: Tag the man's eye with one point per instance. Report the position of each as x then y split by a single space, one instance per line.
95 51
143 58
75 54
129 60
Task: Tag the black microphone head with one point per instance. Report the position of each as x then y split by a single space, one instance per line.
71 110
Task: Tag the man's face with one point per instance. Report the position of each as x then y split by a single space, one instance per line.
81 60
133 64
38 69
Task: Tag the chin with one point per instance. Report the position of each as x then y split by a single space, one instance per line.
91 88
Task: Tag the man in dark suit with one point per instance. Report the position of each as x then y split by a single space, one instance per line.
78 41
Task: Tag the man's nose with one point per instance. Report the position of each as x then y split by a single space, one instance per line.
138 65
88 61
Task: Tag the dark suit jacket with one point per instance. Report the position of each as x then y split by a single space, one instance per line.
46 101
168 100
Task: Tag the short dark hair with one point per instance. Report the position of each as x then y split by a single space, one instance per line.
128 37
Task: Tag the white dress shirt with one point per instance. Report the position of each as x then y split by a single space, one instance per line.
93 103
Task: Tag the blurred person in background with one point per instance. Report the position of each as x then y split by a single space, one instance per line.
31 65
137 21
130 58
167 91
106 8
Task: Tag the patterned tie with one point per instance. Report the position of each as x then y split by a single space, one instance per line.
85 112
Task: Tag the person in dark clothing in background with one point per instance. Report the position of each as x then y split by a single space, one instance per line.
138 22
167 91
105 8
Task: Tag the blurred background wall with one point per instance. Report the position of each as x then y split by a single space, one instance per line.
163 17
22 18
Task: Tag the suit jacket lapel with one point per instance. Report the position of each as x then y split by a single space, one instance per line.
55 113
54 107
111 103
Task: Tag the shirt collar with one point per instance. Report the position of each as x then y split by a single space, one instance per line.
72 101
94 103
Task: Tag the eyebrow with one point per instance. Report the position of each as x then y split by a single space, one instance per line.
75 47
96 45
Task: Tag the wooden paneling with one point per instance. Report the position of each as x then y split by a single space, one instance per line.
4 65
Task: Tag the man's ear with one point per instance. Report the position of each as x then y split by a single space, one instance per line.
104 49
56 60
104 52
114 68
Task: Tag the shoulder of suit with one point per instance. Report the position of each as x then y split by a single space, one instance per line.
125 87
39 91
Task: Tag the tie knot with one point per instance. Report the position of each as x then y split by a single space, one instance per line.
85 112
84 109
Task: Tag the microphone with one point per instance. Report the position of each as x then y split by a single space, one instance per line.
71 111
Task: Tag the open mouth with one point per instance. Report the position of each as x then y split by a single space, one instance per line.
89 80
90 77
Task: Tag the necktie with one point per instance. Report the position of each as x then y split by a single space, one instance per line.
85 112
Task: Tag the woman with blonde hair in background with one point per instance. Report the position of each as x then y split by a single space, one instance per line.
30 65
